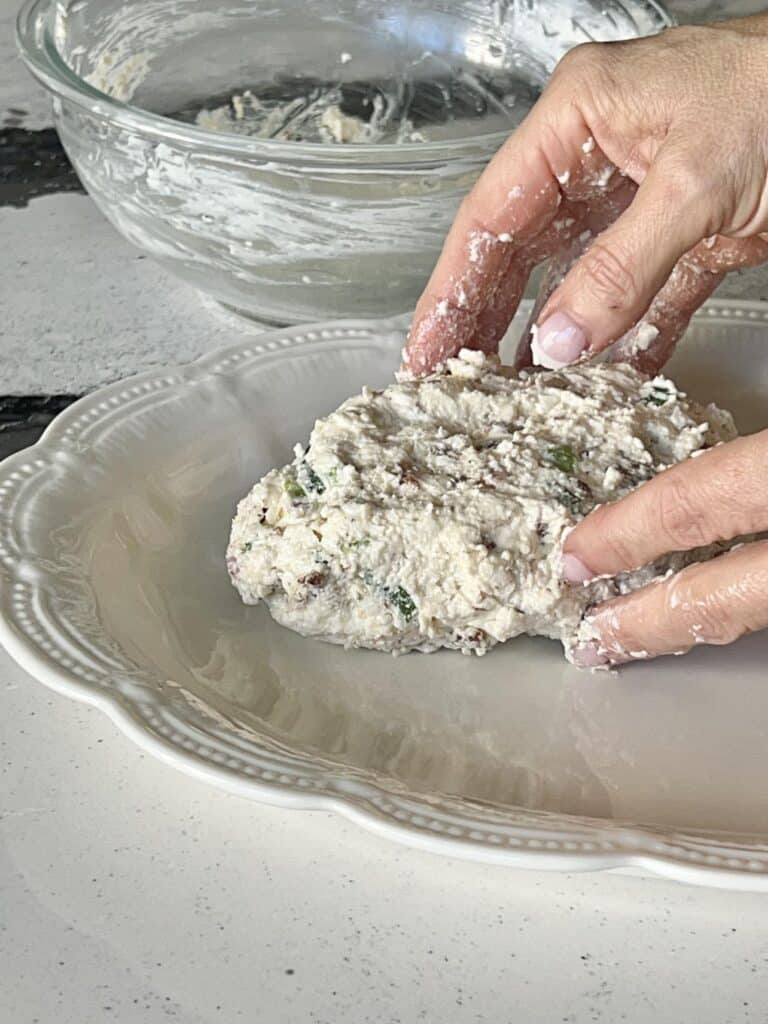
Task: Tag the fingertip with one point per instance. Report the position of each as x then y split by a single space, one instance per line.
612 637
437 333
557 341
574 570
589 655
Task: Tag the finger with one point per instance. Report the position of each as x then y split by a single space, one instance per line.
481 304
718 496
720 254
550 160
650 344
446 318
562 234
494 319
594 217
613 284
712 602
566 237
511 201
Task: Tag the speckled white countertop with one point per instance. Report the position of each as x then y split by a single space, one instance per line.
133 893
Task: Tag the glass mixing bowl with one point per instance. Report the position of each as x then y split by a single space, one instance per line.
179 117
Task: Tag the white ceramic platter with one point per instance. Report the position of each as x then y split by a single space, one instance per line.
114 591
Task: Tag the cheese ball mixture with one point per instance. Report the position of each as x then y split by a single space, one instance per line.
432 513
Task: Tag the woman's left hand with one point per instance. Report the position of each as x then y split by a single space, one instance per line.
719 496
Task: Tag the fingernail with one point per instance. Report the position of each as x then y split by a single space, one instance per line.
574 570
589 656
557 342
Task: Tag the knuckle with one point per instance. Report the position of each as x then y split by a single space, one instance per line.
592 76
681 520
608 276
587 59
686 181
621 549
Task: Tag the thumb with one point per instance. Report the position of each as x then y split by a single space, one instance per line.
615 280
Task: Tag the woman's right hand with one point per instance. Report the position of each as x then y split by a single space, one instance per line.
658 148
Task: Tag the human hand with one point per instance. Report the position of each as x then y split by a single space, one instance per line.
719 496
651 153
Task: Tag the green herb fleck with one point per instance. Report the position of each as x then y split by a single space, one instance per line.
562 456
572 502
359 543
314 483
658 395
294 490
402 600
573 497
397 596
247 546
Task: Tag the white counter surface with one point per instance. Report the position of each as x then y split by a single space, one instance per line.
129 892
133 893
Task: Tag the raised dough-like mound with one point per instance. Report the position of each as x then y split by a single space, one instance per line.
432 514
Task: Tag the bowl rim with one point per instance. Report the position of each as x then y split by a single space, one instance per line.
37 48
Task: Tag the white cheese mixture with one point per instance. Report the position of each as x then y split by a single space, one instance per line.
432 514
315 119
